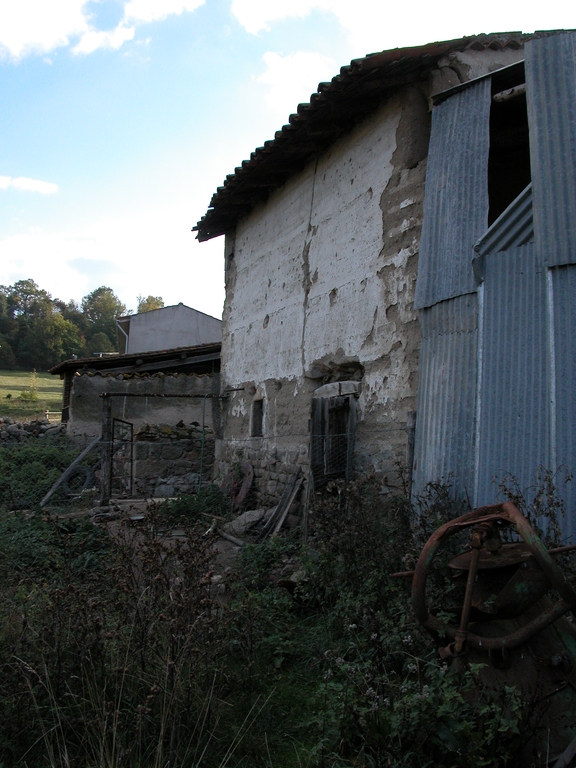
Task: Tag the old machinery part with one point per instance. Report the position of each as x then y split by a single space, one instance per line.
488 552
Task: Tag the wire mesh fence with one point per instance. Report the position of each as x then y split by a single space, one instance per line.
39 465
139 464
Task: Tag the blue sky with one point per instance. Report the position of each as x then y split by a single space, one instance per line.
119 118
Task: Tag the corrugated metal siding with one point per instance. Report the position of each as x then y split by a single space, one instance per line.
514 409
551 98
513 228
563 281
456 195
445 425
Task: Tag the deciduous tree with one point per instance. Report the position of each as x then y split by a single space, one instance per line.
100 308
149 303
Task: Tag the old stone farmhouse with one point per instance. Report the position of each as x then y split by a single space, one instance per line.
403 252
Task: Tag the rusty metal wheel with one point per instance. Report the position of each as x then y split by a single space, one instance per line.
509 514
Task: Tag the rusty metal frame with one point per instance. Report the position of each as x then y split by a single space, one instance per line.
511 515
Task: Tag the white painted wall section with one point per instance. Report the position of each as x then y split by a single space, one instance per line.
305 262
170 328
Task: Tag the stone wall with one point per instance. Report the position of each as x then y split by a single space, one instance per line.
171 460
12 431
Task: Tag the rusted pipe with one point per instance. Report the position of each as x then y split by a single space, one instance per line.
402 575
462 632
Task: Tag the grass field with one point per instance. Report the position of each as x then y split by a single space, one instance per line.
15 382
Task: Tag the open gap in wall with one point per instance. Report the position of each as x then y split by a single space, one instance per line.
509 159
257 418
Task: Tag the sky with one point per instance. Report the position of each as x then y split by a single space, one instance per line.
120 118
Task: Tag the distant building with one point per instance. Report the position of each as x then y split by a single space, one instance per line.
173 352
170 372
167 328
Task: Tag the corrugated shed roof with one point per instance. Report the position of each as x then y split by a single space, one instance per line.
188 356
334 109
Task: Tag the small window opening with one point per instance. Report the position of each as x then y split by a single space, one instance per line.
509 159
332 435
337 436
257 418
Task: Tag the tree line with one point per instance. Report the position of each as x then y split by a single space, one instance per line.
38 331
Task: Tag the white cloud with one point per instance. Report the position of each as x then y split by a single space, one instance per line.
149 252
154 10
258 15
28 185
39 26
115 38
293 78
375 25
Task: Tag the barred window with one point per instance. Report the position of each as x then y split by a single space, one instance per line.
333 427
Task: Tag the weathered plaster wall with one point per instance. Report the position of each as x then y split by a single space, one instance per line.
86 403
320 284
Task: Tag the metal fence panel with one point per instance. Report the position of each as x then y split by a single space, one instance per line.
514 408
445 426
551 98
456 195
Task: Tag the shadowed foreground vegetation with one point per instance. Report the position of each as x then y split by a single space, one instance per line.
126 650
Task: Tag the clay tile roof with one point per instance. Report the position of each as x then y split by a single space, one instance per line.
333 110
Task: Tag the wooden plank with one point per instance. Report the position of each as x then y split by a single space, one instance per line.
285 511
279 507
229 537
66 474
106 470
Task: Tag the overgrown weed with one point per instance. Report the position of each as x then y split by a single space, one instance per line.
124 650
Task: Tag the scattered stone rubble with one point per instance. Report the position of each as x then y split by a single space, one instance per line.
12 431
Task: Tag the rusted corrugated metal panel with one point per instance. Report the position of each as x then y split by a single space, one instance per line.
551 98
562 282
513 228
456 195
445 426
514 402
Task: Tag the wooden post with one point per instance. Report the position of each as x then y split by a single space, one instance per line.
411 432
106 469
65 475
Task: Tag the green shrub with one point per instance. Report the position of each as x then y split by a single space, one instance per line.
31 394
191 508
29 470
